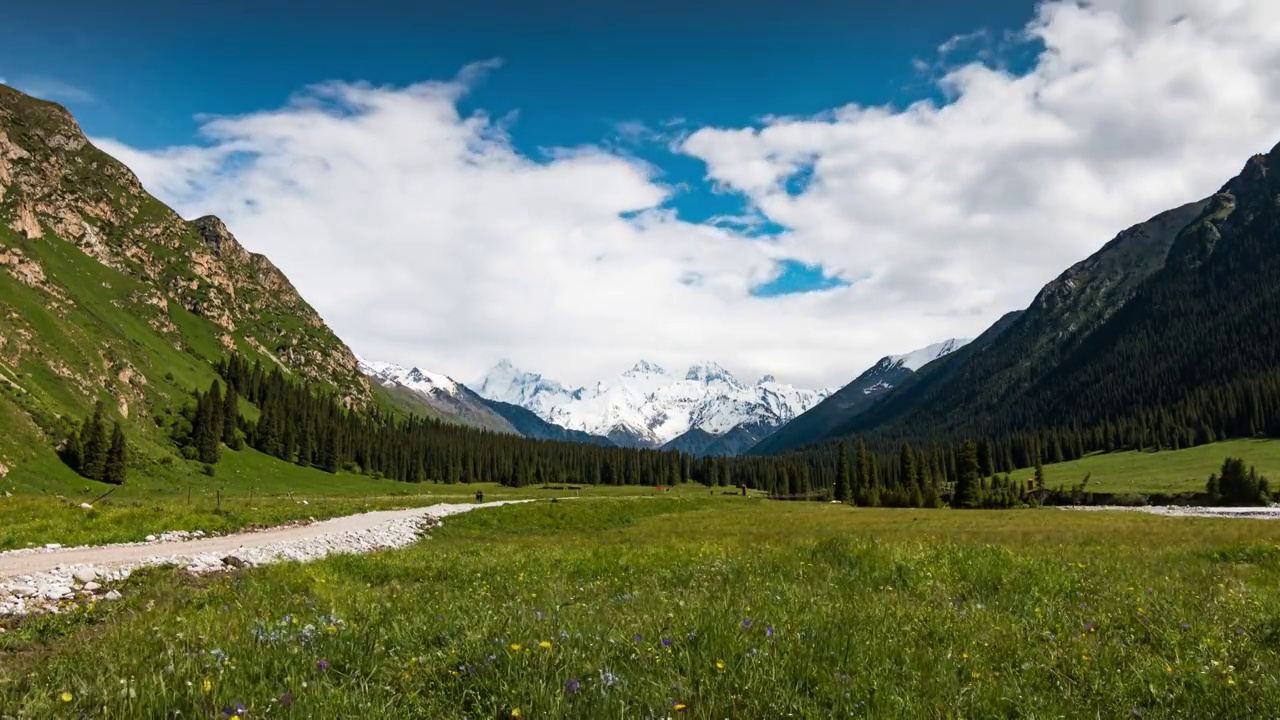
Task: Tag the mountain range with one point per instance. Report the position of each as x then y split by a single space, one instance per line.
1169 335
850 400
705 410
1172 327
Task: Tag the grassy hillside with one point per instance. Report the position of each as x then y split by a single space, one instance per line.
696 608
1170 471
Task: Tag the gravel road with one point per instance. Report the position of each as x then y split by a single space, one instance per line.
1249 513
45 579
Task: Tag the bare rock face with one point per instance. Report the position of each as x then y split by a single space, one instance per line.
55 185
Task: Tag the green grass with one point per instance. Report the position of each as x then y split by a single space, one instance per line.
1170 471
249 489
880 613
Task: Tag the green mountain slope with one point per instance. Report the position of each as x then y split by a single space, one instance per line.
1172 316
107 294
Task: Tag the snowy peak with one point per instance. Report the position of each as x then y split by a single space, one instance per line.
390 374
767 379
917 359
708 372
644 367
645 406
509 384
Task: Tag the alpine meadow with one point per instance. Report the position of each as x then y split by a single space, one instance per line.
487 468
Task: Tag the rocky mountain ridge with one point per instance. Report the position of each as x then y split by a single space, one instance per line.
646 406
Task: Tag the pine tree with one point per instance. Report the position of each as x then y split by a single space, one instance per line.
231 418
116 466
95 445
73 452
843 476
1039 470
968 490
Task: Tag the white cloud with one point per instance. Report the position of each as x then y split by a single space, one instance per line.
423 237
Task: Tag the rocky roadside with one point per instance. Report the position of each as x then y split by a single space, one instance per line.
59 587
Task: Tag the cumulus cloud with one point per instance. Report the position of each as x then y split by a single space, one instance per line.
423 236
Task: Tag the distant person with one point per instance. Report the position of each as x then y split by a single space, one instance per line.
479 496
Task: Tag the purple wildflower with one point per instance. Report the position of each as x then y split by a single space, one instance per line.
323 665
666 642
1185 626
639 637
572 686
768 631
746 623
286 700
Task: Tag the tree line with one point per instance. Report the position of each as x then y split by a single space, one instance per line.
92 454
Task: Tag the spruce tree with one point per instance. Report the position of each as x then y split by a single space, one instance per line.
231 418
73 452
95 445
968 490
843 476
117 458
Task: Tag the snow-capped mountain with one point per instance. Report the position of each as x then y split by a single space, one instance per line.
508 384
647 406
889 372
917 359
435 394
412 378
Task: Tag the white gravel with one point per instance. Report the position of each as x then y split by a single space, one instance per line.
1252 513
47 579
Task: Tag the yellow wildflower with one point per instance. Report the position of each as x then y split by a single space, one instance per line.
679 706
516 647
207 685
545 644
720 665
65 697
516 714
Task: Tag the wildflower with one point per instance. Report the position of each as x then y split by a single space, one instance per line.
678 706
1231 681
639 637
693 636
545 644
323 665
720 665
608 678
1168 669
768 631
666 642
964 655
1185 626
746 623
516 647
207 685
572 686
286 700
65 697
516 714
331 629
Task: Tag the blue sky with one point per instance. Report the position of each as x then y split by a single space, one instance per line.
574 72
794 187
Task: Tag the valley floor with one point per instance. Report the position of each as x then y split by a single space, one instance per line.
694 606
